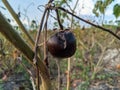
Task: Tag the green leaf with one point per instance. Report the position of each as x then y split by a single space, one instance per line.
95 12
100 6
108 2
116 10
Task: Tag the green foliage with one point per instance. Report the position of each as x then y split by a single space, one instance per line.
63 16
21 69
116 10
61 2
78 54
6 59
84 85
3 9
101 6
118 22
33 25
109 77
1 87
106 76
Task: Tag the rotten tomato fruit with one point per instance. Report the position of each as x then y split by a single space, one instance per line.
62 44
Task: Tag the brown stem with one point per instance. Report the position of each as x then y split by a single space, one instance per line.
97 26
73 11
68 75
45 41
36 47
11 35
58 18
38 35
38 77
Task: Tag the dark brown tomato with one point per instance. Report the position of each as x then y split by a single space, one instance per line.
62 44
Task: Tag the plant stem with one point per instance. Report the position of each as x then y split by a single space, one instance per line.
45 41
11 35
68 75
58 65
97 26
58 18
15 16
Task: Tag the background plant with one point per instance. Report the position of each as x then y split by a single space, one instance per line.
89 44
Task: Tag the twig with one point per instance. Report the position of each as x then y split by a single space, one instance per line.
37 40
68 5
38 35
28 71
32 82
40 28
49 14
45 39
58 18
38 77
68 75
43 11
36 47
73 11
97 26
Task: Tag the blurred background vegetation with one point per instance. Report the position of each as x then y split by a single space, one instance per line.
89 66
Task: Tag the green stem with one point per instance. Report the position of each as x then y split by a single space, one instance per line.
15 16
68 75
11 35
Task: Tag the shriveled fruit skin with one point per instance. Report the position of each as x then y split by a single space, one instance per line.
62 44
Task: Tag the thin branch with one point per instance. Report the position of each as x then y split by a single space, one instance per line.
40 29
97 26
36 47
37 41
58 18
43 11
38 77
45 39
68 5
38 36
73 11
68 75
